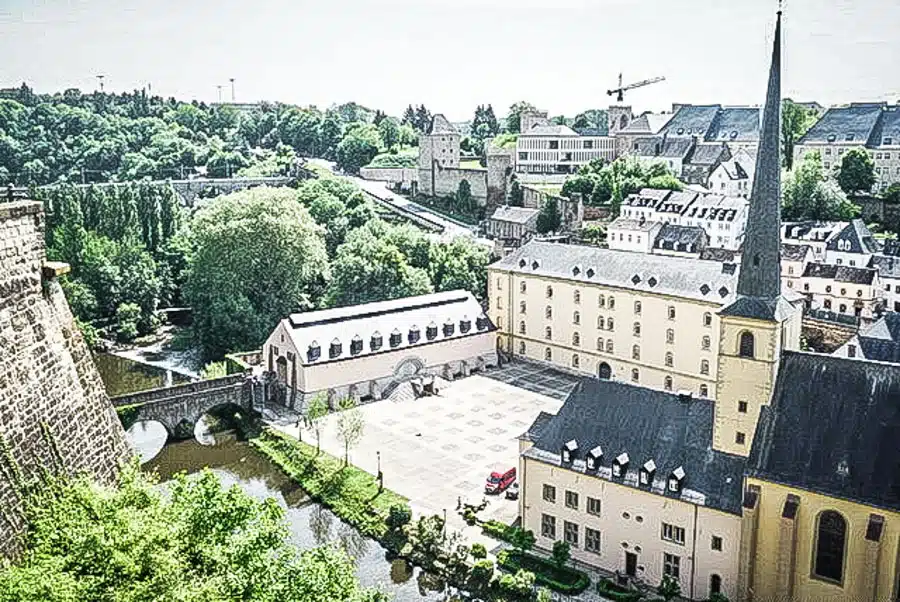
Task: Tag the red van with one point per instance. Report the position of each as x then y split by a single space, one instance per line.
499 481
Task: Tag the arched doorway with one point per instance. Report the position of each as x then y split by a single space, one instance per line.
604 371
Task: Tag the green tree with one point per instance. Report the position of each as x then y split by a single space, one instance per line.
594 233
350 426
358 147
549 218
258 257
485 124
857 172
464 198
808 194
795 121
522 540
389 130
561 553
516 194
127 317
668 588
514 117
195 542
481 575
459 264
315 411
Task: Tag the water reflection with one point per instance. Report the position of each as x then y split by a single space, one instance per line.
122 375
147 438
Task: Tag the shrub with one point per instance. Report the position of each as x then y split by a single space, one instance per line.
565 580
127 317
214 370
561 553
519 585
478 551
481 575
398 517
609 589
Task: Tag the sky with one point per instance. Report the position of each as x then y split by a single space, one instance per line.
560 55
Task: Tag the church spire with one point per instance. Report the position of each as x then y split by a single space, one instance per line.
760 274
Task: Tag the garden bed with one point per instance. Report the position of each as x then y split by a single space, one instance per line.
609 589
565 579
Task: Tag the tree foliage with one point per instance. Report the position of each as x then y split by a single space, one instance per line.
668 588
485 124
549 218
602 183
350 426
195 543
857 171
514 117
795 121
358 147
809 194
258 257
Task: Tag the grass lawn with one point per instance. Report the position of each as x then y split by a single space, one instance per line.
470 164
351 493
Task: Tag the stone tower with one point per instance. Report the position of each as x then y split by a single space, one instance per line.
438 149
54 412
618 117
760 322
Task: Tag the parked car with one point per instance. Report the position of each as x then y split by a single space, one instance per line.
513 492
499 481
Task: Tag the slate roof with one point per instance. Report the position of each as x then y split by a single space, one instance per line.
677 202
887 132
721 255
855 123
516 215
840 273
624 223
537 427
892 248
734 170
709 154
441 125
648 123
859 236
677 276
647 424
794 252
690 239
692 120
343 324
715 207
811 230
647 197
881 342
668 148
832 428
759 308
549 130
735 124
593 132
887 266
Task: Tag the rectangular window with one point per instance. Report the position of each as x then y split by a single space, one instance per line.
572 500
716 543
550 494
742 407
588 144
548 526
591 540
671 565
593 506
570 533
673 533
740 438
851 350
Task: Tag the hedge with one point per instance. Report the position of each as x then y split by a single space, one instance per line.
609 589
565 580
498 530
352 494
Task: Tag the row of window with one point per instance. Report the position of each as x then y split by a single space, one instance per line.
609 325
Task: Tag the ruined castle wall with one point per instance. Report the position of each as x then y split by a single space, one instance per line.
54 412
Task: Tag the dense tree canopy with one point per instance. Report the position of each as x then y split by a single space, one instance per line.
602 183
808 193
857 171
258 256
795 121
197 543
514 117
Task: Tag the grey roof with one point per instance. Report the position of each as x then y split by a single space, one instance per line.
718 207
892 248
734 170
881 341
361 322
887 132
735 124
646 424
647 197
648 123
516 215
664 274
692 120
812 230
859 237
832 428
778 309
549 130
624 223
690 239
887 328
855 123
709 154
887 266
840 273
794 252
537 427
677 202
593 132
668 148
441 125
721 255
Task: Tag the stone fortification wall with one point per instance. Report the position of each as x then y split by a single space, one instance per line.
54 412
445 182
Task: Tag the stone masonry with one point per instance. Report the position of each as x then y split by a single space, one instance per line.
54 412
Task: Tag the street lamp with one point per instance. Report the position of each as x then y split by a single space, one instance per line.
380 476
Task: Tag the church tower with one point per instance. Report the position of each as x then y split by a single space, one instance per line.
760 322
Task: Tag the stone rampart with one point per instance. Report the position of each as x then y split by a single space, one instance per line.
54 412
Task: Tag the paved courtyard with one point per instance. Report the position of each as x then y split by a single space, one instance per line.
437 449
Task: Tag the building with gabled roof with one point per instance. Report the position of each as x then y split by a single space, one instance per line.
852 245
844 290
888 267
878 342
362 351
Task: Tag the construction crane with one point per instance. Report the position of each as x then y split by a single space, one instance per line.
620 91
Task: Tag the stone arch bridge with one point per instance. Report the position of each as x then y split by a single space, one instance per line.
186 403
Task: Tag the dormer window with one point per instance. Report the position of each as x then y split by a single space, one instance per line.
676 480
594 457
376 342
620 465
314 351
481 323
396 338
356 345
569 450
523 262
449 328
335 349
414 335
647 472
465 325
590 272
431 331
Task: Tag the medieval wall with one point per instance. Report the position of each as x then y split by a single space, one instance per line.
54 412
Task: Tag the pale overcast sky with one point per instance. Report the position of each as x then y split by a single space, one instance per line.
561 55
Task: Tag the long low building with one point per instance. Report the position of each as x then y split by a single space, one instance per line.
363 351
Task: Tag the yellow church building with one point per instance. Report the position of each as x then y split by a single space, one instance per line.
705 446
